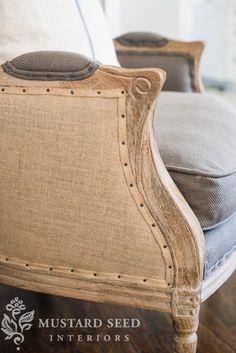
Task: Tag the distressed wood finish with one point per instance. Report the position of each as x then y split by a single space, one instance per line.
216 332
171 221
194 49
185 337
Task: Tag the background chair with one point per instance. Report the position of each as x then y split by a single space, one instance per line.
181 60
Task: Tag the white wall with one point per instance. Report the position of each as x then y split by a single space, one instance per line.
149 15
113 10
160 16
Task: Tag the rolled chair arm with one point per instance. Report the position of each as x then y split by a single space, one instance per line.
180 59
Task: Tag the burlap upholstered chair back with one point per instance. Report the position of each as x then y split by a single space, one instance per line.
68 157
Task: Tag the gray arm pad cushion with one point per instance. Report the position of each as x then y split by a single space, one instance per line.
51 66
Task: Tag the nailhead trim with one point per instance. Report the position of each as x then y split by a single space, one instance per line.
115 93
81 273
132 186
93 93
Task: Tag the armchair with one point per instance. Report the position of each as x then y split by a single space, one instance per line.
88 209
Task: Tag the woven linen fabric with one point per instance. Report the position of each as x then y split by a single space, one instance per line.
142 39
51 61
77 26
196 135
63 195
51 65
220 244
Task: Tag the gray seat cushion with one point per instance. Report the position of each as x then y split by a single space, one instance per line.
196 136
220 244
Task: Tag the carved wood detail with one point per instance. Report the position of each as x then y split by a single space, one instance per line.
173 224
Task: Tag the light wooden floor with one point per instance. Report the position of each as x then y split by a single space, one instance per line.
217 332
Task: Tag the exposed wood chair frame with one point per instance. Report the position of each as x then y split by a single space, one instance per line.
177 289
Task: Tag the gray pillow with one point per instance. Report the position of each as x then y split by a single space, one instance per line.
196 136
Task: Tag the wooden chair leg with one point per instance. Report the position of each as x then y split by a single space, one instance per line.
185 336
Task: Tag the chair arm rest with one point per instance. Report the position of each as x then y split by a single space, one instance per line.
173 216
180 59
104 217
